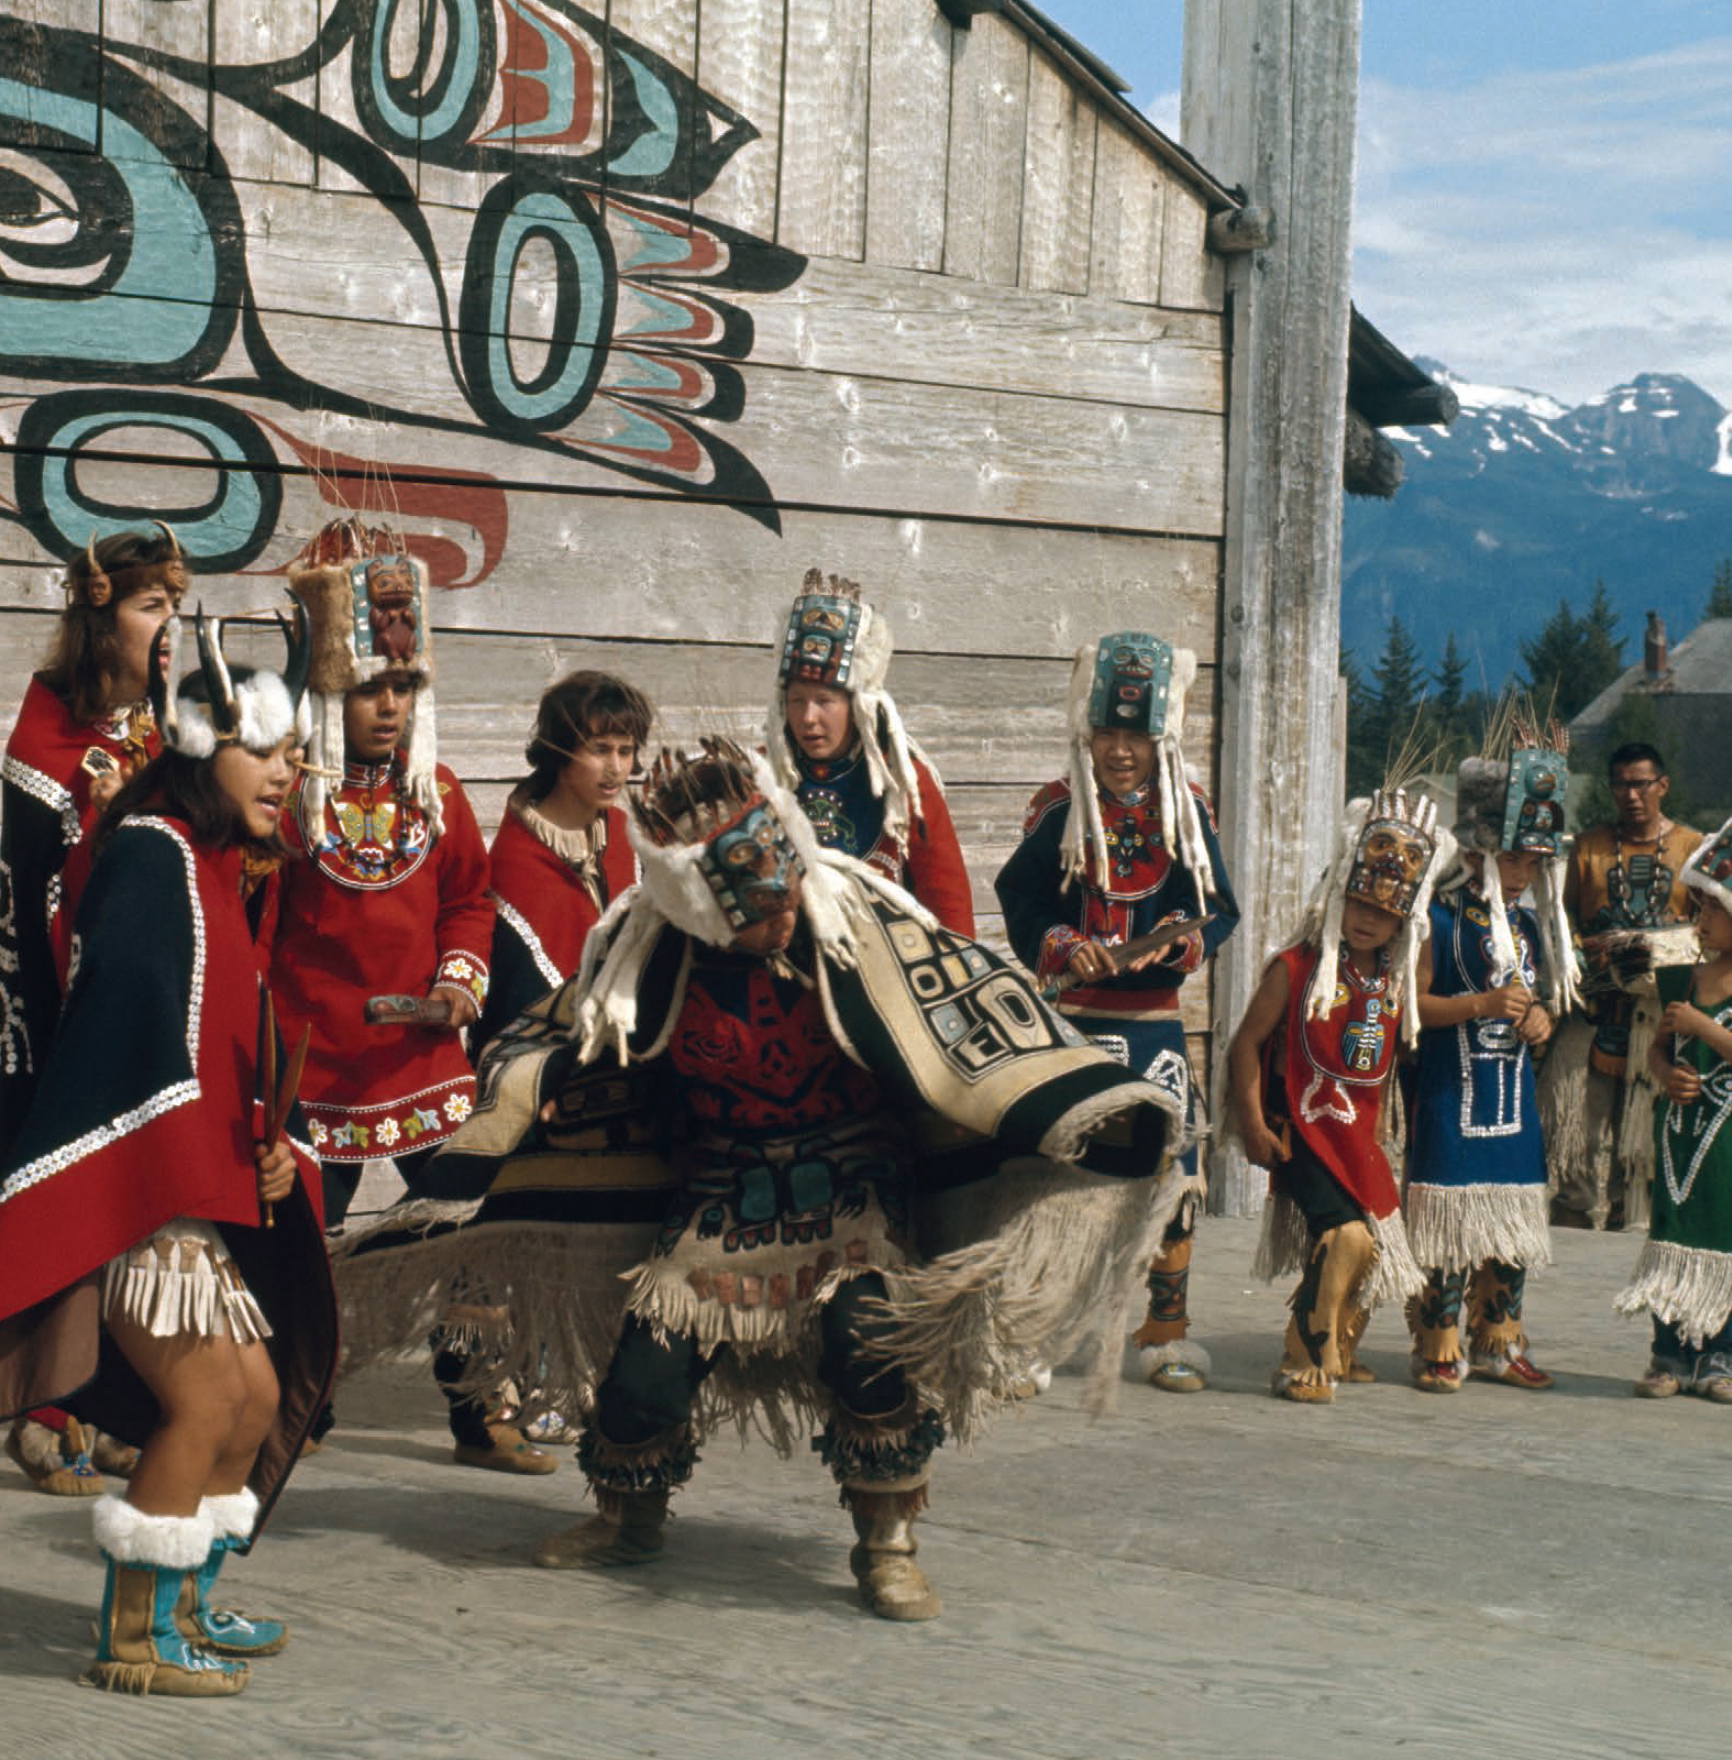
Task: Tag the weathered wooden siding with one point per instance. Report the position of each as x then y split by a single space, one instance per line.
627 316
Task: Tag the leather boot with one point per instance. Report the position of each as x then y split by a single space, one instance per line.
891 1584
1498 1347
1171 1360
1353 1327
626 1529
57 1462
139 1647
632 1483
1434 1319
1311 1359
220 1629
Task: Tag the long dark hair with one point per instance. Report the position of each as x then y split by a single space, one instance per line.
84 658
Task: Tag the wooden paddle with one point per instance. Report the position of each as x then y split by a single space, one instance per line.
279 1097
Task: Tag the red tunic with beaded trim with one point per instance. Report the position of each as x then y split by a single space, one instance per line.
1332 1075
147 1111
380 907
550 887
45 808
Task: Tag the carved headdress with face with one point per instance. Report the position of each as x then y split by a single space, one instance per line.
1389 853
1134 681
1511 798
833 638
365 599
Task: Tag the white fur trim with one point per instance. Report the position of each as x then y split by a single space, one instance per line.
1180 1350
1693 877
233 1515
672 889
132 1536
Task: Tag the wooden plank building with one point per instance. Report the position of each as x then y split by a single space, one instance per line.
627 315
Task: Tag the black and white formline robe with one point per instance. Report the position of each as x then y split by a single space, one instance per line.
1043 1175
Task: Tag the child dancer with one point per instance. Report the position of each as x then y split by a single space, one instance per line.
1309 1066
166 1271
1684 1275
1476 1174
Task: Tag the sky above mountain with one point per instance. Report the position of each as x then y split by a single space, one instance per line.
1541 185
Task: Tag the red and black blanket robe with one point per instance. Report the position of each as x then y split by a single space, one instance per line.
45 808
380 906
550 887
845 814
146 1110
1326 1078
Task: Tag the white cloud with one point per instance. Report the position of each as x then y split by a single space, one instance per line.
1163 112
1562 230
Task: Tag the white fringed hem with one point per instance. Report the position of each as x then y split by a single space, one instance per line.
1455 1228
1396 1275
1283 1241
183 1280
1285 1244
662 1295
1687 1287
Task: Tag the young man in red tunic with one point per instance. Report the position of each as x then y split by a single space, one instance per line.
561 855
391 899
836 741
1309 1066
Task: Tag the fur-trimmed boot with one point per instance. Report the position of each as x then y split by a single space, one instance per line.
1312 1356
227 1633
632 1484
139 1647
55 1461
1171 1361
1434 1319
883 1464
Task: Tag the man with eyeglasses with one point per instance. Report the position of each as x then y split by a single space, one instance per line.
1595 1089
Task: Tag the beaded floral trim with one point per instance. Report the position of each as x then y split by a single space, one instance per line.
404 1122
465 971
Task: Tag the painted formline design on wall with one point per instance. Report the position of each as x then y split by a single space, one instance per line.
576 314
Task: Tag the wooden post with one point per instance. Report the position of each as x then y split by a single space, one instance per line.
1269 103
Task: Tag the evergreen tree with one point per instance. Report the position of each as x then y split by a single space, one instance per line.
1573 658
1363 763
1400 684
1602 647
1447 717
1720 592
1552 656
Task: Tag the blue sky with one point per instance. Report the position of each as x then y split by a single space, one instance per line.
1544 193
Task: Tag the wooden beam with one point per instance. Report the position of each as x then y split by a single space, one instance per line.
1241 229
1269 102
1371 465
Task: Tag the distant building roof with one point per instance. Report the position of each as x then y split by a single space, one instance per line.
1700 666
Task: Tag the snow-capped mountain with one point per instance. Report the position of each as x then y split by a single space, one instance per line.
1525 500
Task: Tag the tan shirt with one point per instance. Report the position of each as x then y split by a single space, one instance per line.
1627 883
